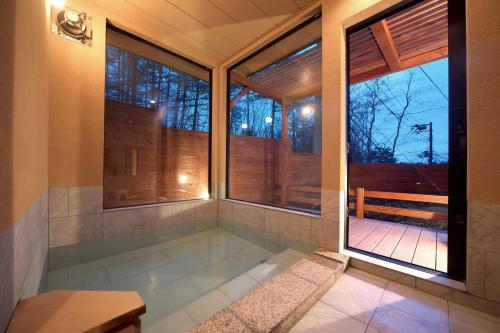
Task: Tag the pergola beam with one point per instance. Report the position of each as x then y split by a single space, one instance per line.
266 92
420 59
385 42
313 91
238 97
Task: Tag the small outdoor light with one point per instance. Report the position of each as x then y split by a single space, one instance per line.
268 120
307 111
183 179
244 126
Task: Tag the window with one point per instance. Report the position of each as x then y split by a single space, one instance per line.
399 124
157 124
274 122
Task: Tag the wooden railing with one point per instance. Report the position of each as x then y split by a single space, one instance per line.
360 206
301 194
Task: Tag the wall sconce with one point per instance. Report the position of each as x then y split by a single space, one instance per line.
70 24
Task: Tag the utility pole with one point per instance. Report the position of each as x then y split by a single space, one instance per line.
419 128
430 144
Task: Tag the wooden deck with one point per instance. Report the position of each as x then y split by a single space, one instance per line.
420 246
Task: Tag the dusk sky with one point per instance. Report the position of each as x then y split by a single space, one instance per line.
430 105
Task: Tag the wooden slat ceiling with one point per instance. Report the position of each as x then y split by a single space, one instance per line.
208 31
412 37
295 76
290 68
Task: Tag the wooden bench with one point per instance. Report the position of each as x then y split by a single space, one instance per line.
79 311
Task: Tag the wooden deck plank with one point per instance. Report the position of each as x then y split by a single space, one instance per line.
355 225
405 249
420 246
374 238
425 253
390 241
442 251
357 237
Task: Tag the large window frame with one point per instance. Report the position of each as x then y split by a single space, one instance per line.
111 26
457 143
290 32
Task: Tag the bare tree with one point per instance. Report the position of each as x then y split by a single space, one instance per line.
401 113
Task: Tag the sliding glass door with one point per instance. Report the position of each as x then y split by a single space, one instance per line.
405 202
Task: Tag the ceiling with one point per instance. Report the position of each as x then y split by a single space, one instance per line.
289 69
209 31
409 38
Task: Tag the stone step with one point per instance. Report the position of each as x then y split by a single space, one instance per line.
280 303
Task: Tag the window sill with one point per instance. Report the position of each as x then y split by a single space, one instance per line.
156 205
437 277
284 210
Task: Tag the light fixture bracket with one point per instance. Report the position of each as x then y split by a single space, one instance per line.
72 25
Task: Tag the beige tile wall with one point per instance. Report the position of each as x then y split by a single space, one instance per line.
483 250
77 216
23 256
286 226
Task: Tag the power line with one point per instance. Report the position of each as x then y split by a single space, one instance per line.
434 83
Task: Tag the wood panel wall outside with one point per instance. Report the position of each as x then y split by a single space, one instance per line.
162 155
254 168
403 178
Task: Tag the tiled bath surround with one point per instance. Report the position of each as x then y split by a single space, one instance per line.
23 256
276 227
80 230
184 280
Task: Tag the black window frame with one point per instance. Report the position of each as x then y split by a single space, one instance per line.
288 33
111 26
457 145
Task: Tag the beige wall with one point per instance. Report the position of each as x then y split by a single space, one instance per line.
77 107
483 85
23 150
23 107
77 92
77 104
483 95
483 52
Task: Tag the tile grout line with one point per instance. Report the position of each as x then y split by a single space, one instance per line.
336 309
448 313
378 303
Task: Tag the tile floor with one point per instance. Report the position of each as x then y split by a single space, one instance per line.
183 281
361 302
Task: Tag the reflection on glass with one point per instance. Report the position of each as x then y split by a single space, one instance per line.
274 155
156 125
398 130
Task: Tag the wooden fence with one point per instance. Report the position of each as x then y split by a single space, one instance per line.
143 163
360 206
